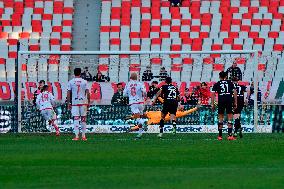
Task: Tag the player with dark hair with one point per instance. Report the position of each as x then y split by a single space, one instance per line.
240 105
45 102
171 97
79 92
38 91
226 96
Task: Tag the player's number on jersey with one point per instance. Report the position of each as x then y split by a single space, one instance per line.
133 91
224 88
44 97
172 93
239 90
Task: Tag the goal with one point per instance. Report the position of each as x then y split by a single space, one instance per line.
187 68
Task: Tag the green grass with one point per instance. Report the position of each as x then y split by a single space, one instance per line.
117 161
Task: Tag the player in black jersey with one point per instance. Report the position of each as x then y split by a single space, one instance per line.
240 105
227 95
171 97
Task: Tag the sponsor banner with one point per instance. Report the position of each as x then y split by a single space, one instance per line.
5 121
101 93
167 128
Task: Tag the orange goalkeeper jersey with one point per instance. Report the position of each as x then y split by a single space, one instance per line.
155 116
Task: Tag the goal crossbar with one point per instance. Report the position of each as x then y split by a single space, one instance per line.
19 63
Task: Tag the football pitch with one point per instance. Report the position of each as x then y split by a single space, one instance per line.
117 161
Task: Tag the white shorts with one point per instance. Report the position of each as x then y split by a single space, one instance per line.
79 111
137 108
48 114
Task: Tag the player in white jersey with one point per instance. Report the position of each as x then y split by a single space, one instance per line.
78 89
136 93
45 102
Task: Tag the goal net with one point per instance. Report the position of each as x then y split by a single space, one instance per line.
104 70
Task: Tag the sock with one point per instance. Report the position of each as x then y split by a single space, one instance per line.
139 122
230 128
140 129
76 128
55 126
220 127
162 122
174 123
237 124
84 128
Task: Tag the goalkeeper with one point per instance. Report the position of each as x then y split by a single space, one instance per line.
154 117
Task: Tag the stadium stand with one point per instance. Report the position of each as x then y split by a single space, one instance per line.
37 25
196 25
146 25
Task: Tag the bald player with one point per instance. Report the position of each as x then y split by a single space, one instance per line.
136 93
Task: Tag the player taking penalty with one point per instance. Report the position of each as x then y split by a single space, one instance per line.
171 97
78 89
45 101
136 93
227 95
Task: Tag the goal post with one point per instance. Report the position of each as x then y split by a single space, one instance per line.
23 56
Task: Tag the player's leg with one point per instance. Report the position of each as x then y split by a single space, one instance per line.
83 113
76 121
221 111
237 118
162 123
142 121
229 110
237 123
53 119
173 112
220 126
136 115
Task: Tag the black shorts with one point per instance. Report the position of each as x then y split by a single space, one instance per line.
239 108
170 107
225 106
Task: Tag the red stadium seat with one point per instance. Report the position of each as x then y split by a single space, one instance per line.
2 60
12 54
188 61
156 61
218 67
34 48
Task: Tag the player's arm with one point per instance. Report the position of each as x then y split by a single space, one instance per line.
212 99
248 95
125 92
235 98
88 96
144 92
68 99
214 90
52 99
156 96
